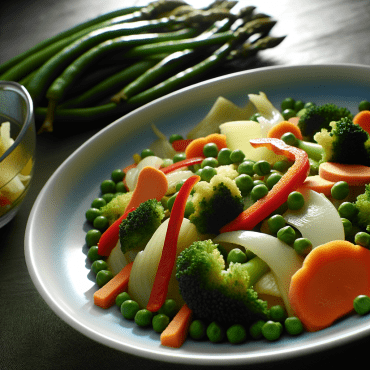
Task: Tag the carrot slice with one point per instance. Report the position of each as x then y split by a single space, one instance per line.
353 174
151 184
176 332
363 120
318 184
281 128
294 120
331 277
105 297
195 148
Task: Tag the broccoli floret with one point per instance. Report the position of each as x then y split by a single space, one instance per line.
139 226
363 208
346 143
116 207
215 204
317 117
216 294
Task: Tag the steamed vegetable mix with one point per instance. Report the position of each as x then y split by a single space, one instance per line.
244 229
105 67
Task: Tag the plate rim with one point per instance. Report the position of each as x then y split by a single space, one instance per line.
172 356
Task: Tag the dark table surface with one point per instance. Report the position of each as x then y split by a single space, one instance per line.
32 336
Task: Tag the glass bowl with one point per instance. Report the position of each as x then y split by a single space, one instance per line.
17 147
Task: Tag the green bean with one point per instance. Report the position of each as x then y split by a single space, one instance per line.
58 88
67 33
109 85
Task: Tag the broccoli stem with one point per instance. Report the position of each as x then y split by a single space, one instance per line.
313 150
256 269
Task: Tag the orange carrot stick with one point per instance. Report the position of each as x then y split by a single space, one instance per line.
363 120
195 148
353 174
281 128
318 184
105 297
176 332
331 277
151 184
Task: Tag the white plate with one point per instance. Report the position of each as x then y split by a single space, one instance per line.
55 234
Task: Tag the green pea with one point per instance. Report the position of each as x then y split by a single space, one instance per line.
98 265
282 166
287 103
289 113
295 200
197 330
255 329
246 168
103 276
286 235
108 186
289 139
361 304
347 210
275 223
255 117
259 191
93 254
129 308
271 330
209 161
146 153
92 213
210 150
160 322
175 137
245 183
262 168
101 223
278 313
189 209
92 237
258 182
215 332
167 162
108 197
236 255
169 308
171 201
340 190
117 175
293 325
143 318
236 334
178 157
309 104
273 179
98 203
364 105
302 246
207 173
347 226
121 187
237 156
179 185
223 156
124 296
362 238
298 105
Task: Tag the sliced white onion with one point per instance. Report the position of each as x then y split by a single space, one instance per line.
175 177
267 285
318 220
283 261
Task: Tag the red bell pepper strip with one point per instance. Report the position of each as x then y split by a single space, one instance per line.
290 181
180 145
182 164
110 237
168 257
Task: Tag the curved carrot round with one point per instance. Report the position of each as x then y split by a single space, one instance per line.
195 147
176 332
317 184
353 174
281 128
331 277
363 120
151 184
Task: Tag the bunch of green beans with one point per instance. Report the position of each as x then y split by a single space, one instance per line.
103 68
